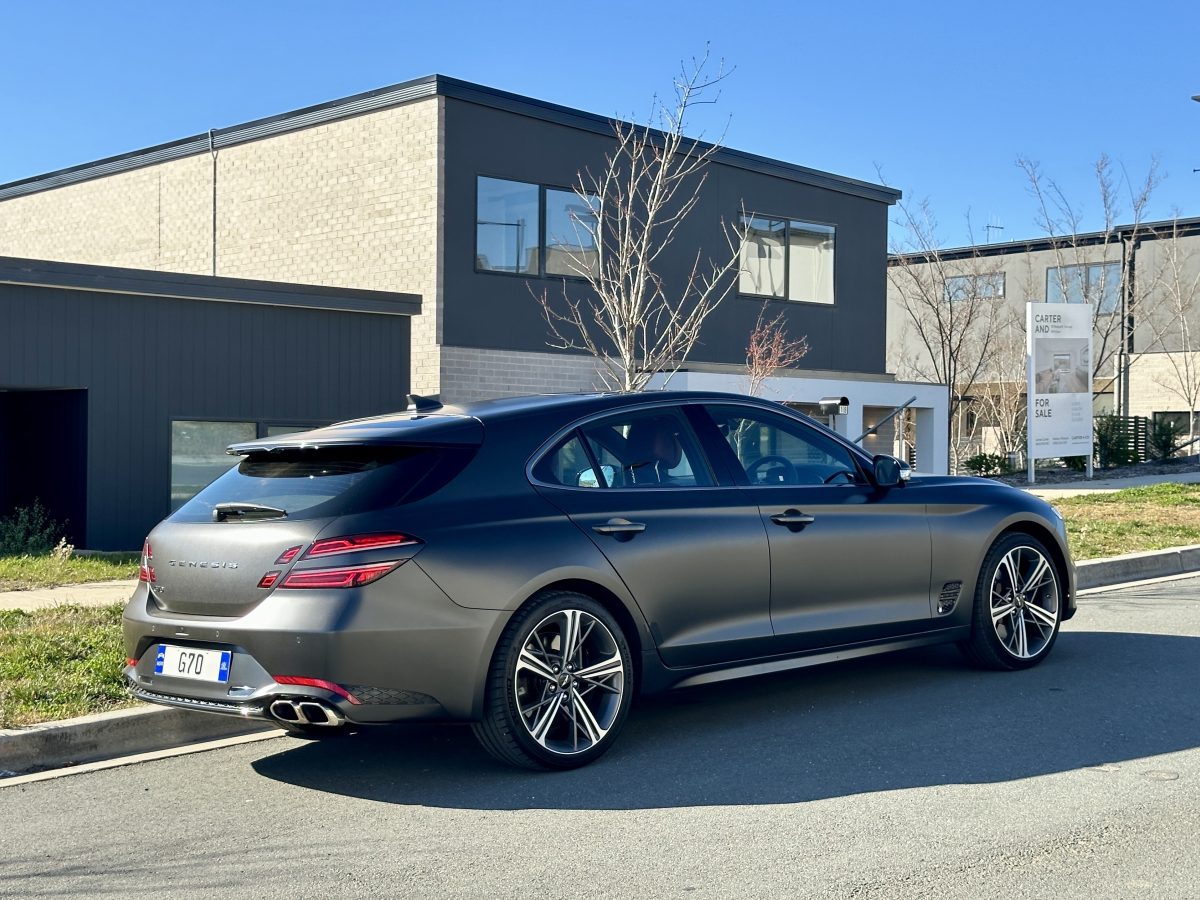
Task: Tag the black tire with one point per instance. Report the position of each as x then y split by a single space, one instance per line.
1023 636
520 700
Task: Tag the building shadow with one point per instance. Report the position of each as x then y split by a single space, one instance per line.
911 719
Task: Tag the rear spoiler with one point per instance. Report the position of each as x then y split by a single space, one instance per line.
420 430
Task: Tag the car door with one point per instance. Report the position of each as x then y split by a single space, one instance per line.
849 562
692 552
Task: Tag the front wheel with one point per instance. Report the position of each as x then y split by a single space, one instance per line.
1018 604
559 686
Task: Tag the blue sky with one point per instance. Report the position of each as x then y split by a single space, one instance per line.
940 97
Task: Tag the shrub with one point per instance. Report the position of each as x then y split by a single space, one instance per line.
1114 442
1164 438
1075 463
986 464
29 530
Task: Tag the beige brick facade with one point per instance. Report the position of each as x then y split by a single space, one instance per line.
1159 382
472 374
350 203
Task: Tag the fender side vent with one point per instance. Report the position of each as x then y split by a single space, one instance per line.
948 598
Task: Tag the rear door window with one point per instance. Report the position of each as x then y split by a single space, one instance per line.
647 448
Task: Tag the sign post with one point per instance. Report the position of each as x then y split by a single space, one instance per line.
1058 361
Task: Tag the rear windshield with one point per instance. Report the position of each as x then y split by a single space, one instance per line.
329 481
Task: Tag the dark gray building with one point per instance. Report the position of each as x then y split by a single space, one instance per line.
120 388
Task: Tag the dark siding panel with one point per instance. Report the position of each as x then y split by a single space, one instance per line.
499 311
145 361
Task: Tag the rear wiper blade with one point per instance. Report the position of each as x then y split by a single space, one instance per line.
241 510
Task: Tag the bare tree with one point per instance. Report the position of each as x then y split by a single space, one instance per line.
950 306
1000 398
1077 261
635 324
1172 325
770 349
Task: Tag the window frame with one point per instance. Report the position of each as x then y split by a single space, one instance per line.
541 272
1086 284
787 260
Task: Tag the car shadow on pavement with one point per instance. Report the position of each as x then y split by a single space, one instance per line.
904 720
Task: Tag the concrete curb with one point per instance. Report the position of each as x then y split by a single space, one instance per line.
1112 570
123 732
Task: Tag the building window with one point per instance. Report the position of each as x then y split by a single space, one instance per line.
198 454
507 227
787 259
1095 283
509 219
198 451
975 287
571 222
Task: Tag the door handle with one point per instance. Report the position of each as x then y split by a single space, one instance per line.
619 527
793 518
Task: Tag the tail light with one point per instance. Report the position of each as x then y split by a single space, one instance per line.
146 571
356 542
347 577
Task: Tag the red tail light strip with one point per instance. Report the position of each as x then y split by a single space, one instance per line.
351 576
288 555
356 542
268 580
317 683
145 570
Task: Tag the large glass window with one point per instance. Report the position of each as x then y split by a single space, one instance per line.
772 450
509 218
198 454
975 287
787 259
507 227
1095 283
570 233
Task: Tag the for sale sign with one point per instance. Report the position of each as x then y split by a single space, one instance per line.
1059 362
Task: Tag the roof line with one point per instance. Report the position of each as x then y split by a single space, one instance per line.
180 286
398 94
1149 231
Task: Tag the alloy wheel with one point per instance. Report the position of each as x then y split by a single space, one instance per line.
1024 601
569 682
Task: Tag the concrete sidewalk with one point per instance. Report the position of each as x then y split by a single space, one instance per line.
98 593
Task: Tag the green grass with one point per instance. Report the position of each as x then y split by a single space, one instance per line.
22 573
60 662
1135 519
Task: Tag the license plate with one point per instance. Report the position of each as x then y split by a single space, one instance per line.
187 662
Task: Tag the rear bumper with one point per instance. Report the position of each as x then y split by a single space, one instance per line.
395 650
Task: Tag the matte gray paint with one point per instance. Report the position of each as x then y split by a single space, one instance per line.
144 361
500 311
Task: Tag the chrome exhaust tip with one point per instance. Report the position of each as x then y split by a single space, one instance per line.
307 712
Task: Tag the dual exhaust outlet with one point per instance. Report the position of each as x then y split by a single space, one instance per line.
307 712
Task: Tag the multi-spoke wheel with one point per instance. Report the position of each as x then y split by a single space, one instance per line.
560 685
1018 601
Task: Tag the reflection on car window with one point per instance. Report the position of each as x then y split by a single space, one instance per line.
653 448
775 450
567 464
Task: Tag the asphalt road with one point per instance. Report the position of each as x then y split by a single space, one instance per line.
904 776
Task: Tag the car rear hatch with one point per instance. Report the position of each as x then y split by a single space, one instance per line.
237 540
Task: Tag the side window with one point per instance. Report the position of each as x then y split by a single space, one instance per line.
567 464
775 450
651 448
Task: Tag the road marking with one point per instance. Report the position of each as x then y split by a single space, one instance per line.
140 757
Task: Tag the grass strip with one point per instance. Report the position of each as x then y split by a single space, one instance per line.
23 573
60 662
1132 520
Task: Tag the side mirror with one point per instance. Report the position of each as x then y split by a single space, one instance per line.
890 472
